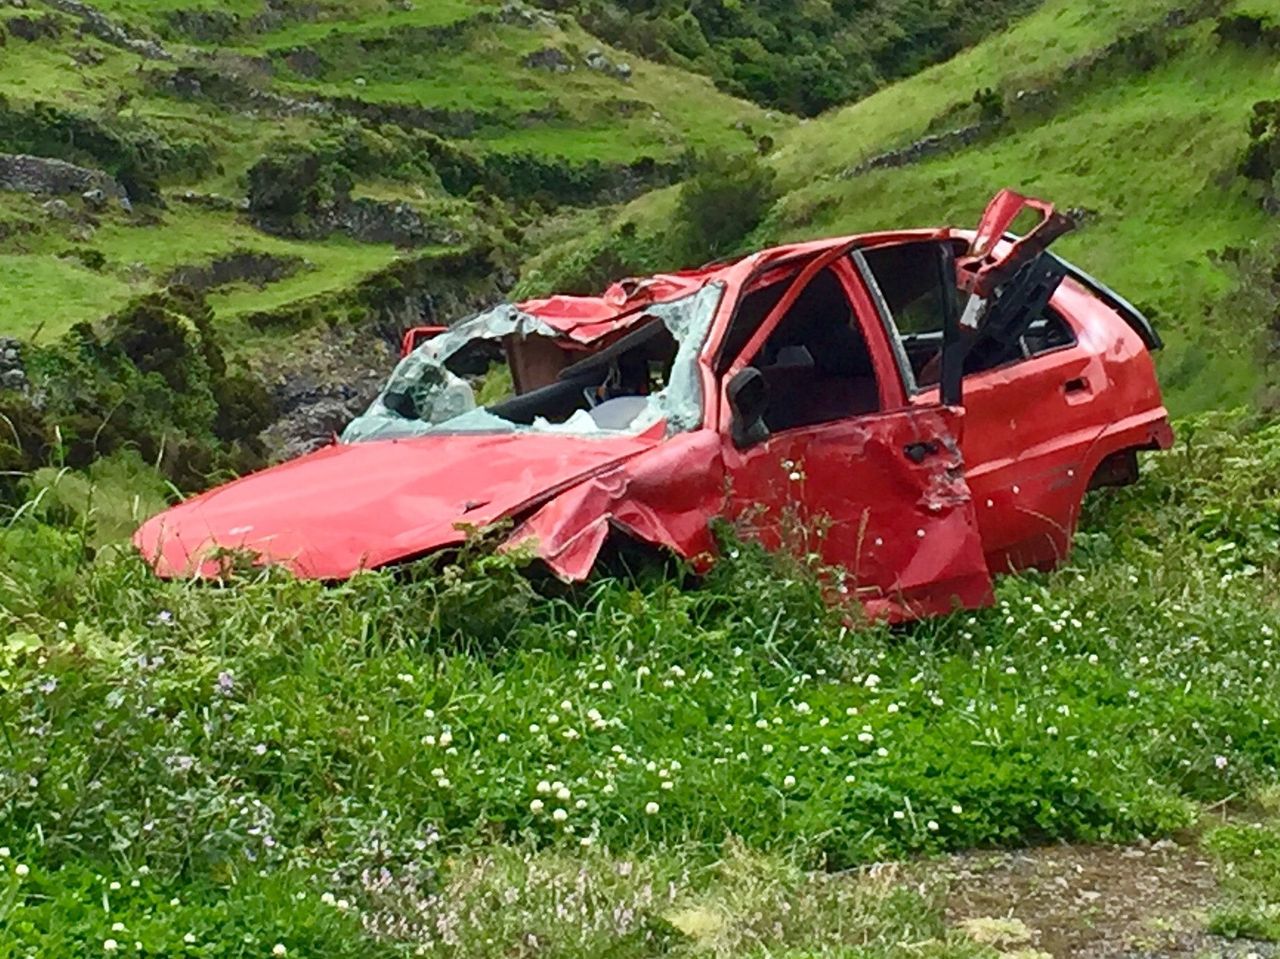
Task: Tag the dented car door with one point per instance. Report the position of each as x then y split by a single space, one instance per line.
875 489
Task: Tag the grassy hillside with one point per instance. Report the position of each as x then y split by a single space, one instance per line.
246 80
1134 113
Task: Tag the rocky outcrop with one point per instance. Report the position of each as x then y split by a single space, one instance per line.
243 266
44 176
551 59
13 375
365 220
596 60
33 29
94 22
925 147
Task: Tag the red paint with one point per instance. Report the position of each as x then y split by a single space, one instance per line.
917 504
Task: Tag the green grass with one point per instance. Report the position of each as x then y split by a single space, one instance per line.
280 738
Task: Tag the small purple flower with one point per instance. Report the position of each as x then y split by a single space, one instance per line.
49 685
164 617
226 683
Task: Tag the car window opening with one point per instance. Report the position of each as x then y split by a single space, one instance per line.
909 280
816 363
505 371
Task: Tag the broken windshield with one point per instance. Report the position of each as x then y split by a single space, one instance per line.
507 371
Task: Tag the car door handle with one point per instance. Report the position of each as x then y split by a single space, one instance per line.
919 452
1077 385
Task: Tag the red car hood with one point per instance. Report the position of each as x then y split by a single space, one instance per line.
347 508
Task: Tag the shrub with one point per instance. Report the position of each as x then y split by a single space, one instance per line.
1261 159
724 201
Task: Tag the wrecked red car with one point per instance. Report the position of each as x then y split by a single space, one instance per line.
920 409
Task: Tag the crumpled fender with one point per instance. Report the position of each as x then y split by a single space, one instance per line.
664 497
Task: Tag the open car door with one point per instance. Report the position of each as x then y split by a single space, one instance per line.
820 461
1008 286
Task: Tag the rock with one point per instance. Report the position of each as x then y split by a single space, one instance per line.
13 375
21 173
550 58
57 210
520 15
96 23
924 147
596 60
88 57
95 199
32 29
304 61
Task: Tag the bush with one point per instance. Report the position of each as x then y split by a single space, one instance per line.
724 201
1261 159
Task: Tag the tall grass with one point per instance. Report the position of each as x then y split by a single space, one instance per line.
393 738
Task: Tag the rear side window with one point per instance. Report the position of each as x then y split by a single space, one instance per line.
912 287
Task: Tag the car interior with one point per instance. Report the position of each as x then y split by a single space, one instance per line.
815 364
910 282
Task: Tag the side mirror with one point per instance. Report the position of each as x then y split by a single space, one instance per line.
748 394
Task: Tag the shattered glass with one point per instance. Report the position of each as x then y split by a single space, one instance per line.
424 397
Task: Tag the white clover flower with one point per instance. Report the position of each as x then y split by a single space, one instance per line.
343 905
1093 659
404 678
788 781
566 706
678 672
563 794
957 809
1052 730
279 950
189 939
537 806
446 738
21 870
585 841
931 825
327 898
570 734
899 814
503 738
882 752
851 711
260 749
872 681
651 808
865 737
580 805
110 945
762 723
606 685
535 728
117 927
4 852
559 815
667 784
767 748
593 714
1220 762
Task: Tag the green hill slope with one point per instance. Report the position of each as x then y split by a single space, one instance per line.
1133 113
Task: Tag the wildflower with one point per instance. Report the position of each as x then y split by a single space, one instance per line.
279 950
537 806
932 825
893 707
446 738
899 814
762 723
4 852
327 898
559 815
503 738
585 841
871 682
260 749
21 870
957 809
1220 762
110 945
668 784
189 939
535 728
788 781
343 905
651 808
117 927
563 794
566 707
849 779
49 685
882 752
406 678
865 737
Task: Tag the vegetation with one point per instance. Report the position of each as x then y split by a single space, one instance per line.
456 733
802 60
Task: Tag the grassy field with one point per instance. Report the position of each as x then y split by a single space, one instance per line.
423 749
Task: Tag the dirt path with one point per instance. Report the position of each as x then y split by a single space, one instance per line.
1093 902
